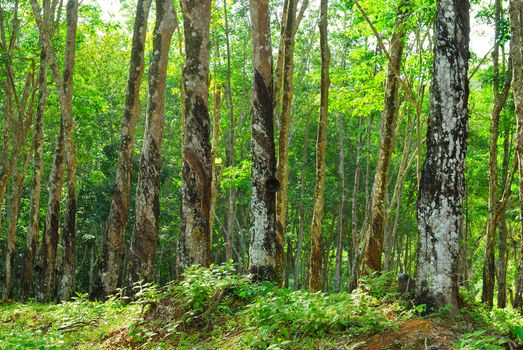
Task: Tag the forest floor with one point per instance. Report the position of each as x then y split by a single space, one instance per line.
218 309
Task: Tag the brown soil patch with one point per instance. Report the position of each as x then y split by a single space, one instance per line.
117 339
413 335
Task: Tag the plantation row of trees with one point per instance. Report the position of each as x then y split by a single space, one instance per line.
210 159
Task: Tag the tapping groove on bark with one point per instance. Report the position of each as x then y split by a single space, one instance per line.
194 246
262 247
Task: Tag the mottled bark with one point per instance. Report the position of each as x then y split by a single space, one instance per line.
315 282
500 97
442 186
262 248
69 231
376 221
113 245
65 153
144 241
341 208
38 147
517 87
47 252
194 246
282 169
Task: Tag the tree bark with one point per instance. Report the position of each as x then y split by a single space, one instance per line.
231 146
376 221
195 235
142 254
341 209
65 153
69 231
282 169
262 248
315 282
489 268
503 231
517 87
114 234
38 146
442 187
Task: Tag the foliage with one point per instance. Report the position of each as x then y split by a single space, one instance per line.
76 324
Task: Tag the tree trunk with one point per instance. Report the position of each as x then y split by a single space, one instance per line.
282 169
114 234
34 215
69 231
489 268
517 87
65 153
503 231
230 148
47 252
142 255
375 223
442 187
262 248
195 235
315 282
341 209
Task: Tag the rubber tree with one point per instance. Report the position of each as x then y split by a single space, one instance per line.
262 248
442 185
194 246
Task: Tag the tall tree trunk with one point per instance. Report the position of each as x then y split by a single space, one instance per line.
489 268
262 248
503 231
282 169
517 87
47 252
38 146
375 223
69 231
231 146
195 235
142 254
442 187
341 209
65 153
315 282
114 234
